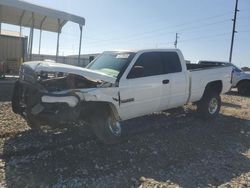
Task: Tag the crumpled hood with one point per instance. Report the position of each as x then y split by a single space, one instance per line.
47 66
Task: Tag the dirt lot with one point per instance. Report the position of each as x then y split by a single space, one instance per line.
169 149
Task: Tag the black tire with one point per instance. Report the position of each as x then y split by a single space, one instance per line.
209 106
244 88
15 101
106 128
32 121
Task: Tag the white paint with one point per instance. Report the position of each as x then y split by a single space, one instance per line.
70 100
201 78
86 96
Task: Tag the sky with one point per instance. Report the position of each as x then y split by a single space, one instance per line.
204 27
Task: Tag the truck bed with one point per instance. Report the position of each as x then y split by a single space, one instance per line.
194 67
201 75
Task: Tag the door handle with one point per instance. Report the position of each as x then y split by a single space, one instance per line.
165 81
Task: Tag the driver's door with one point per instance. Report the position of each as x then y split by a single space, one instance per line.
142 94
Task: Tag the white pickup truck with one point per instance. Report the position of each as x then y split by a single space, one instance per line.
117 86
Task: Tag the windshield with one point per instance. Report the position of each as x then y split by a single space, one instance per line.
111 63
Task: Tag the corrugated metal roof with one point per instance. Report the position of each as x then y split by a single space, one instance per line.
19 12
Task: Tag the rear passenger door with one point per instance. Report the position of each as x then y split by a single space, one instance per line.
175 94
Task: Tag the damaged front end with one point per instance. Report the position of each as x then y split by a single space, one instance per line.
53 92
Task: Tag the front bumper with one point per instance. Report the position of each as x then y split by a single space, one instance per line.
28 99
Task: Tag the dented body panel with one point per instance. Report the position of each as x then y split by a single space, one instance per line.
47 66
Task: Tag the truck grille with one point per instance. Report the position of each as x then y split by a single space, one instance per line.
27 74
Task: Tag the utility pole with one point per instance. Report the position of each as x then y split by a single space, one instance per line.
176 40
233 32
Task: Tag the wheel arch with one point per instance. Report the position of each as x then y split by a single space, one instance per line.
214 86
241 81
92 106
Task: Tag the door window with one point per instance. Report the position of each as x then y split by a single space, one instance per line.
156 63
151 63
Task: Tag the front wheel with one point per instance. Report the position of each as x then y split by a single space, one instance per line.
106 127
32 122
209 106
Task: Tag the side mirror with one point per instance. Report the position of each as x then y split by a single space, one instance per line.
136 72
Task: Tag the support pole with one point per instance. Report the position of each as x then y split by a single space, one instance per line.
57 47
21 22
20 31
31 42
0 22
40 37
1 19
233 32
80 45
24 57
58 39
31 37
0 28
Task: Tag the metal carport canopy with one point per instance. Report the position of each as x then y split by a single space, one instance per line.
34 16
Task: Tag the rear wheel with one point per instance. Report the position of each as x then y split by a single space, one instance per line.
244 88
106 127
209 106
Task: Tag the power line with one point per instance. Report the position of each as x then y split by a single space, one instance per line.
192 39
204 25
164 28
204 37
243 31
198 38
243 18
247 9
155 32
152 35
167 27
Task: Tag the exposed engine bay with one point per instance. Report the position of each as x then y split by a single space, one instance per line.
56 91
56 82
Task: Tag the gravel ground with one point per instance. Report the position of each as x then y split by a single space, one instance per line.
168 149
